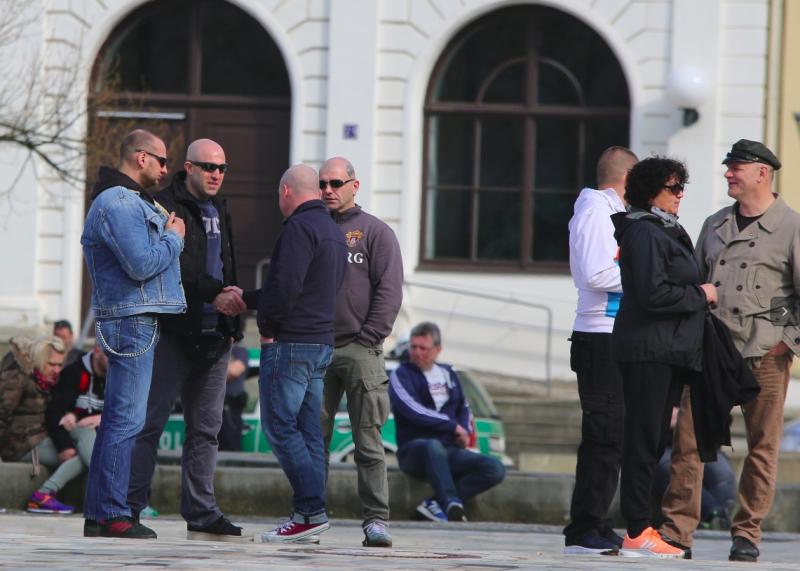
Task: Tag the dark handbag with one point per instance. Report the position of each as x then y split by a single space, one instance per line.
205 350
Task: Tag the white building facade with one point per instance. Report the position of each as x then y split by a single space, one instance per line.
373 81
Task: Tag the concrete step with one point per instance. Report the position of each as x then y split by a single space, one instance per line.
263 490
536 426
539 426
564 463
524 497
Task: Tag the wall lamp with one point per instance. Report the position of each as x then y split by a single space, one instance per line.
687 88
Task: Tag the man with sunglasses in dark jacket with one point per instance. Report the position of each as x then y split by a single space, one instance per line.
191 358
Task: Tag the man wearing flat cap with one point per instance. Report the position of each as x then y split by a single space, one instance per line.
751 252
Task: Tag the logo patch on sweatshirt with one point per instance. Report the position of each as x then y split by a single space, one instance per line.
353 237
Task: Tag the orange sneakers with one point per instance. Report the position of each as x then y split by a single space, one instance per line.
649 544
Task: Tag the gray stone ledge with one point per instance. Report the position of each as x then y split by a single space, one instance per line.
524 497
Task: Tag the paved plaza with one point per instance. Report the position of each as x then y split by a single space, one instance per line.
32 542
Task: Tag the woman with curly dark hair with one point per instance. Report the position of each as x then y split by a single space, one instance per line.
658 332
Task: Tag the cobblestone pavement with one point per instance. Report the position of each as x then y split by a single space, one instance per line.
33 542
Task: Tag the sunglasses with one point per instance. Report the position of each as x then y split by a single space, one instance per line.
211 167
675 189
162 161
335 183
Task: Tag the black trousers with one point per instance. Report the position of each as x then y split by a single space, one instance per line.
600 450
230 433
651 391
202 390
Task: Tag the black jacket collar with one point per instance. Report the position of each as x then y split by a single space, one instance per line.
178 187
315 204
108 177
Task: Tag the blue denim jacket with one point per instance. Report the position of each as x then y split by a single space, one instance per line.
132 260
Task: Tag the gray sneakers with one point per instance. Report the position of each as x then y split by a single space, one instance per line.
376 534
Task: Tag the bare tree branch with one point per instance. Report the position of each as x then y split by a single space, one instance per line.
46 116
40 109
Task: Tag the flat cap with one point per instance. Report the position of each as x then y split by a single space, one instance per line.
744 151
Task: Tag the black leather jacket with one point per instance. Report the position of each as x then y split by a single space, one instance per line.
198 285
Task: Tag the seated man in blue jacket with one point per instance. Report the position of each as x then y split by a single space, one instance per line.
433 423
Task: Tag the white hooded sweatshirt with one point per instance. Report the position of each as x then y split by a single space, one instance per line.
594 260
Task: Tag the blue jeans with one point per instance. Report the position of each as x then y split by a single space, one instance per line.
290 390
129 343
454 473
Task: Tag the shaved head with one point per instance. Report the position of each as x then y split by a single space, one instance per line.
298 184
143 157
613 167
343 197
301 180
339 162
138 139
203 184
201 149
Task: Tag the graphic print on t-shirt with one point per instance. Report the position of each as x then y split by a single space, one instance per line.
437 385
210 217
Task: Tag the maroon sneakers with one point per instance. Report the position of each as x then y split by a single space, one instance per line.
293 531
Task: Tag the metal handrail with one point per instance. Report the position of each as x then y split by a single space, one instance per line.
505 299
260 265
86 327
264 262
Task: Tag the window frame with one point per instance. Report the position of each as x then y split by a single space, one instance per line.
194 96
529 112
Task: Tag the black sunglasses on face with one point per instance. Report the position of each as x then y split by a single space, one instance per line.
675 189
211 167
336 183
162 161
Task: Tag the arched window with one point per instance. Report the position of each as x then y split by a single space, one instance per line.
206 47
518 110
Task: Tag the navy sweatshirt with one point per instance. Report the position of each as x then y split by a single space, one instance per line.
415 415
298 301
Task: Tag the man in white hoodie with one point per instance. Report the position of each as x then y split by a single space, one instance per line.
595 271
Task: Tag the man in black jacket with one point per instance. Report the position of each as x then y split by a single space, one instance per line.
191 358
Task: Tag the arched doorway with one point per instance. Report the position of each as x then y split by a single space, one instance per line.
187 69
519 107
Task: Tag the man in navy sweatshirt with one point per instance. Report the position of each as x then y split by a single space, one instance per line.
433 424
295 318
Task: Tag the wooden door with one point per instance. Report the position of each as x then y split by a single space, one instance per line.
256 148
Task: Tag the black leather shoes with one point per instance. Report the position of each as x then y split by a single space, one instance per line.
221 530
743 550
687 551
91 528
